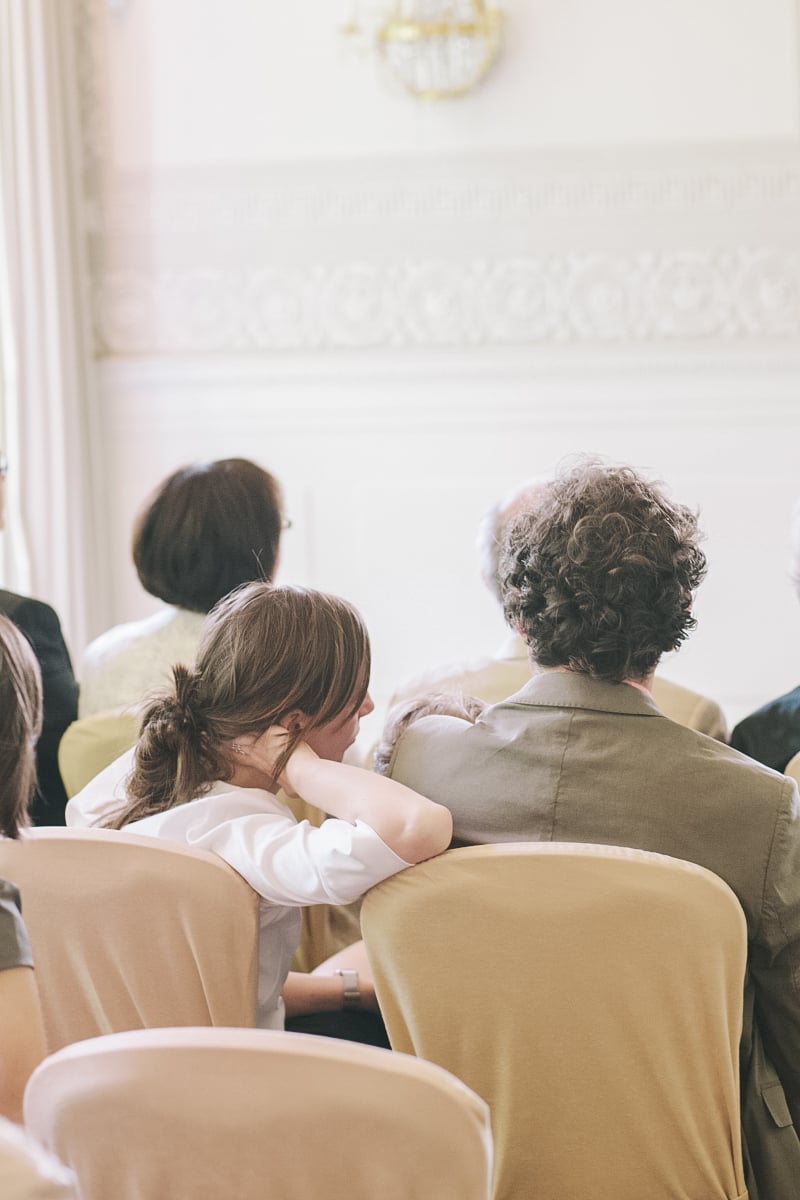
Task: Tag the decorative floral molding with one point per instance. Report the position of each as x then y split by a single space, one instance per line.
647 298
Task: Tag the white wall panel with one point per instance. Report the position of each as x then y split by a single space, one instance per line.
386 495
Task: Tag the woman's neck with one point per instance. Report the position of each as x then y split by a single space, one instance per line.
251 777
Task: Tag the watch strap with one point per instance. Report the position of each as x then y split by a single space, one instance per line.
351 992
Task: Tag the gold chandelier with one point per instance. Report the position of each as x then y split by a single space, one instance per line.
440 49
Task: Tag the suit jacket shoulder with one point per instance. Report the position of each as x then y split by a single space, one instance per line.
33 617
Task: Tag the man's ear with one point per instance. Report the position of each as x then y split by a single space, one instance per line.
295 720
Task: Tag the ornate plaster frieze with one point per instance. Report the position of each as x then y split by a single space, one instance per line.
748 296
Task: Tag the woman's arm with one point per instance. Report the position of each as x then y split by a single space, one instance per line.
323 990
412 826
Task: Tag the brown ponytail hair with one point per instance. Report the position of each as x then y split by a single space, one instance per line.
266 652
20 726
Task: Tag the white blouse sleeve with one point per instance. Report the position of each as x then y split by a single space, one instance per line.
297 864
285 862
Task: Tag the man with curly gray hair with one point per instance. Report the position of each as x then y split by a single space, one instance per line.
599 580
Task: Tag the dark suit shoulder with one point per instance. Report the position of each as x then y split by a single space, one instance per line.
41 626
28 613
771 734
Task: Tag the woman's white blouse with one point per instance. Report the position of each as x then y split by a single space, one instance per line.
289 864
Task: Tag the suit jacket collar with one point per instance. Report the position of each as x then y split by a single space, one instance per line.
571 689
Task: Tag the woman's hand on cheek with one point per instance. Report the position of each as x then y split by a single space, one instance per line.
263 753
301 759
260 752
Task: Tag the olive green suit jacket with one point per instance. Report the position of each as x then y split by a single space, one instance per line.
572 759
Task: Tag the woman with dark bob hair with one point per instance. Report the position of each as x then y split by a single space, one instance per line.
22 1042
273 702
205 530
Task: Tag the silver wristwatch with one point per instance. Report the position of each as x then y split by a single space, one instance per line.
351 992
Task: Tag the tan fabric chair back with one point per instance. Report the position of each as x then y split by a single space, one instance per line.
689 708
592 995
206 1114
90 744
792 768
129 932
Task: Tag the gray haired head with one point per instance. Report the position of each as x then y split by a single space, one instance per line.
495 524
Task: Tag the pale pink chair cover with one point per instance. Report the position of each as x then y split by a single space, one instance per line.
212 1114
129 932
592 995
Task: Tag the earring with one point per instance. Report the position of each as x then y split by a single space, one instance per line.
236 748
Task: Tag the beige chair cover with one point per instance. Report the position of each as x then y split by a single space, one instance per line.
592 995
689 708
792 768
92 743
212 1114
129 932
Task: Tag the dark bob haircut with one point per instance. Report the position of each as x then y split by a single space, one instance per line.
600 577
207 529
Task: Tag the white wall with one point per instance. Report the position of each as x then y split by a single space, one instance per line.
253 82
403 309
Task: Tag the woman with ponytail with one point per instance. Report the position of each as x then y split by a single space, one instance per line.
273 701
